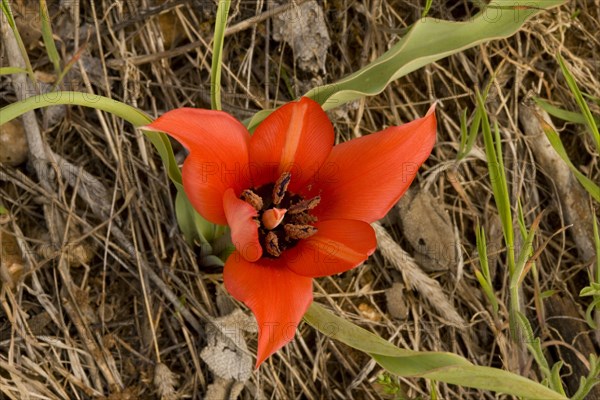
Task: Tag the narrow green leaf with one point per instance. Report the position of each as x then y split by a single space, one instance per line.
482 250
547 293
48 37
428 40
122 110
217 55
463 134
496 380
589 318
439 366
484 277
592 188
565 115
6 10
526 251
467 138
68 66
12 70
473 131
428 4
128 113
487 289
556 381
493 152
587 383
585 110
533 344
597 245
193 226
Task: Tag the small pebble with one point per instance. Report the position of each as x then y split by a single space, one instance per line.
13 143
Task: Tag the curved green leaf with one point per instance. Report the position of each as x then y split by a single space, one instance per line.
130 114
589 185
439 366
217 56
428 40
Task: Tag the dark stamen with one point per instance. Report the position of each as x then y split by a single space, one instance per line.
280 187
299 231
304 205
253 199
272 244
303 219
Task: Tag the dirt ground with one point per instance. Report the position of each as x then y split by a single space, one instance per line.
102 297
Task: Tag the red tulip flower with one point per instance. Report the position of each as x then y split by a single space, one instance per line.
298 207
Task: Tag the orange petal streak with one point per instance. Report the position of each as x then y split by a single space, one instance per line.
338 245
218 158
363 178
295 138
244 228
277 297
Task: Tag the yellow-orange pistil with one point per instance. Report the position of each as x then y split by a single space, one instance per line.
283 218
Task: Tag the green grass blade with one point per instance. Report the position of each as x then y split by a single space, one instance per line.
556 381
467 137
534 346
484 277
48 37
473 131
6 10
428 4
585 110
587 383
565 115
592 188
488 291
12 70
438 366
493 152
217 55
525 253
463 134
597 245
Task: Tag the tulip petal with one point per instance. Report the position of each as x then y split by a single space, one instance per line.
244 227
277 297
338 246
363 178
218 158
295 138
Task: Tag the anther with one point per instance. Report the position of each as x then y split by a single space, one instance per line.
303 219
273 217
304 205
272 244
280 187
296 232
253 199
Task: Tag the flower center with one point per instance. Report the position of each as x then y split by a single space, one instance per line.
283 218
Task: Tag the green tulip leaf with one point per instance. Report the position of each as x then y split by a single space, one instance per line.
428 40
439 366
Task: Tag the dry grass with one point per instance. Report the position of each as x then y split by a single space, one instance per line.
115 305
